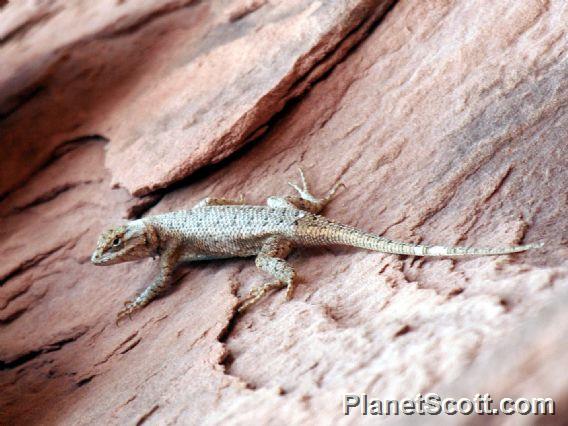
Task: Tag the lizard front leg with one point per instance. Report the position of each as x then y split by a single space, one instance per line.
168 262
306 201
271 260
211 201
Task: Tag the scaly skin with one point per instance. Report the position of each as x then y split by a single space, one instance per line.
219 228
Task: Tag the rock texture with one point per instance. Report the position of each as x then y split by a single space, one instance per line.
447 121
173 85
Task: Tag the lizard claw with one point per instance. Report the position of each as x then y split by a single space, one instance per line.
249 300
289 293
333 190
129 307
296 187
244 305
304 191
256 293
304 181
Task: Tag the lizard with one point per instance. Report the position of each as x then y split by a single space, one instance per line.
217 228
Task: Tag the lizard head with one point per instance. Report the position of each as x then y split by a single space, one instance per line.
122 244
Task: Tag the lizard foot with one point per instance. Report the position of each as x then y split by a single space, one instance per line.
129 307
306 194
304 191
331 193
290 291
256 293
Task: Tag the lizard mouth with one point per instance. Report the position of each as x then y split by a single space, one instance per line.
99 259
106 259
96 258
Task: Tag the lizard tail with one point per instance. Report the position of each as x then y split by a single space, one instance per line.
319 230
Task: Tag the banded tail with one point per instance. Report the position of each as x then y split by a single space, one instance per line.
319 230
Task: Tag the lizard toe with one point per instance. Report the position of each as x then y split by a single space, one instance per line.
129 307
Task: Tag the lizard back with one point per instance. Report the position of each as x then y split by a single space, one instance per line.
233 229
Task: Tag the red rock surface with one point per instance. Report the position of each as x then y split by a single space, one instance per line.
447 123
173 85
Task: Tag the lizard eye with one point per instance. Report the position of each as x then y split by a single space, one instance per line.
116 242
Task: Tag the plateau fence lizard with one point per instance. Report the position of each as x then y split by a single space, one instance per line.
219 228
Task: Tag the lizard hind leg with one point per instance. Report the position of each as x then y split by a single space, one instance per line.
306 200
271 260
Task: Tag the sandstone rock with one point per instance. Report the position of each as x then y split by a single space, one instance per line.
57 71
173 85
447 124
